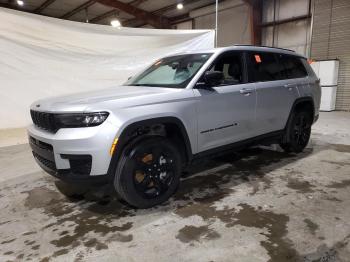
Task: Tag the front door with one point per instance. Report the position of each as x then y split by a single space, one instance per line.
226 113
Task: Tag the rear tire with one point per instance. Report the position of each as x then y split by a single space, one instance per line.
148 172
298 132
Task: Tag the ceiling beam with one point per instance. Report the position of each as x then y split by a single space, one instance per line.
137 2
39 9
78 9
103 16
11 5
160 11
174 6
19 8
287 20
173 20
140 14
113 12
180 18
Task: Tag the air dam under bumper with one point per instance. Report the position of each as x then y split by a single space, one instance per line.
74 154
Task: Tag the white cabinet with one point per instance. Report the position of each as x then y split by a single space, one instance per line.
328 97
327 71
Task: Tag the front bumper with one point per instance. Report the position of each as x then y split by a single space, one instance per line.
74 154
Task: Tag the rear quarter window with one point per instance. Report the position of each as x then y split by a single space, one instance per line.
293 67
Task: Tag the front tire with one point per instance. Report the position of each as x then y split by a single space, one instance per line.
148 172
298 132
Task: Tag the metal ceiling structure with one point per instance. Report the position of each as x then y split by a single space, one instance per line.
131 13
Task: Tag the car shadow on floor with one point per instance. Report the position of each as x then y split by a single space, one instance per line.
215 175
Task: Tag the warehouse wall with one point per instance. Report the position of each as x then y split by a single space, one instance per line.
234 22
330 29
331 40
292 35
187 25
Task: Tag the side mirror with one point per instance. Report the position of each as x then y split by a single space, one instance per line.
213 78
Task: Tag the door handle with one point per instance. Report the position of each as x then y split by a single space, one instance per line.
246 91
290 86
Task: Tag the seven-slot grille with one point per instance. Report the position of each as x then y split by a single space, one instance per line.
44 120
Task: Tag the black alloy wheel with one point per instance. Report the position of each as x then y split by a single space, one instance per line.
301 130
298 132
148 172
154 171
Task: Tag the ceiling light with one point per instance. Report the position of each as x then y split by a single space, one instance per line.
116 23
180 6
20 2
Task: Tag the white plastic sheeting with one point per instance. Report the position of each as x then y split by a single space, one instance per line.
42 57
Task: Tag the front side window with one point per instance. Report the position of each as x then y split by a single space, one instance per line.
174 72
263 66
230 64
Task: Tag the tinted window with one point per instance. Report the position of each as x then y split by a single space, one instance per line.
293 67
230 64
263 67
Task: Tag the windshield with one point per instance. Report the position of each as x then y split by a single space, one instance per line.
174 71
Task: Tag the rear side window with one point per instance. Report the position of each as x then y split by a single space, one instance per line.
293 67
263 67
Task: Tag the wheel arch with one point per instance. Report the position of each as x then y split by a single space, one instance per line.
300 103
132 132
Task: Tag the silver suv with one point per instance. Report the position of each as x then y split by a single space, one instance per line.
141 135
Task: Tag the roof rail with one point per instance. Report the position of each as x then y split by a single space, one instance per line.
268 47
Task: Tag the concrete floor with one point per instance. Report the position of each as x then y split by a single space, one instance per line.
258 205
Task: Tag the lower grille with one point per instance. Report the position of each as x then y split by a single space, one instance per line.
49 164
43 153
41 144
79 164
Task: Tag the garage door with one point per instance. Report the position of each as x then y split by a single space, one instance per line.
331 40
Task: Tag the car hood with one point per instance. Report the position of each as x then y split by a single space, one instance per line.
83 101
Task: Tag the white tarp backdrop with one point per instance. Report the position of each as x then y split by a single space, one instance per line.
42 57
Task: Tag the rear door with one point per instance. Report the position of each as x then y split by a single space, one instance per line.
276 93
295 75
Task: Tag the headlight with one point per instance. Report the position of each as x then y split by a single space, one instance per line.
80 119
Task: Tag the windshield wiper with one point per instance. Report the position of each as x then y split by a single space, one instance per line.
141 85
